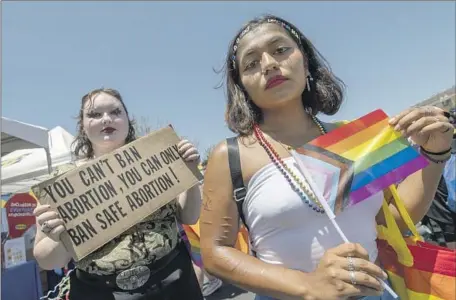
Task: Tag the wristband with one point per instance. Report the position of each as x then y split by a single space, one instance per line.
431 159
435 153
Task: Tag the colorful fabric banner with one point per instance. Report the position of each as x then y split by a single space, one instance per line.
417 270
360 159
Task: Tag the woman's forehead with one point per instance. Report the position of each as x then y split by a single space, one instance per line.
262 33
102 100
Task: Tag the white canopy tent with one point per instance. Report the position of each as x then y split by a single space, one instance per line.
23 168
18 135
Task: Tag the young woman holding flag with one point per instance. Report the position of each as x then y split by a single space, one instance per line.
277 83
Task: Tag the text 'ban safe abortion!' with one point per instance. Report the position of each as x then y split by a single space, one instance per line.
106 196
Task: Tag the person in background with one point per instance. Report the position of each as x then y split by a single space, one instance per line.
148 261
276 84
439 224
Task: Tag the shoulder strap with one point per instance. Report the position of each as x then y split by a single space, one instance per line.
234 160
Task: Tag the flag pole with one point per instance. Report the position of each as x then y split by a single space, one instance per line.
328 210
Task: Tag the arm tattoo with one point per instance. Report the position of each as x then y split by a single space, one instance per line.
207 205
207 202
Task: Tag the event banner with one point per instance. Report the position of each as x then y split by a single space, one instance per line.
108 195
19 213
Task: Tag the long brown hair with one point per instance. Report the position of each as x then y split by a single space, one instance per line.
326 90
83 148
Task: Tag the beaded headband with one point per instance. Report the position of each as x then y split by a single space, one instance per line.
286 26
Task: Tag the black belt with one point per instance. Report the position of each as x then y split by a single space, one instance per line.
133 278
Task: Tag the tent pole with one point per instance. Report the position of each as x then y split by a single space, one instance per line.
49 160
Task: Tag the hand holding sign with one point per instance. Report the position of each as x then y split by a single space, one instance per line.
104 197
188 151
49 221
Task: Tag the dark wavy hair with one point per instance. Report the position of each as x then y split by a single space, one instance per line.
82 145
326 90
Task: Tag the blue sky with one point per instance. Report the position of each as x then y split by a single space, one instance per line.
161 56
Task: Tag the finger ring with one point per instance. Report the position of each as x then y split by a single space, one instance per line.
351 264
45 228
352 278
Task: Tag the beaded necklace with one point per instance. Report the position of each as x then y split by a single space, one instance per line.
295 182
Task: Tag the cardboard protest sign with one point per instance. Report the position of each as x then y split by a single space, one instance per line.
106 196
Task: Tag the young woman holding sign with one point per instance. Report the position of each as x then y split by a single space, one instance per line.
149 260
277 83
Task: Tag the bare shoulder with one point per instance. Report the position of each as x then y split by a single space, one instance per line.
217 177
220 151
252 157
218 205
217 162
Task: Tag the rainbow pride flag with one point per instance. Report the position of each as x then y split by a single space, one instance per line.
432 276
191 240
191 236
360 159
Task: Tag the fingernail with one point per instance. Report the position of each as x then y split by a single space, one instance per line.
392 120
385 276
397 127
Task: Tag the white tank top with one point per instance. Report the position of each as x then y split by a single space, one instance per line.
284 230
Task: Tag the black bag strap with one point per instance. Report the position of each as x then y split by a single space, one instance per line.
234 160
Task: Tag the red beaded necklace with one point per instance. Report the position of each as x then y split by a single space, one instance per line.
297 185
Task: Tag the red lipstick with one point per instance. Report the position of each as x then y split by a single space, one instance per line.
275 81
108 130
